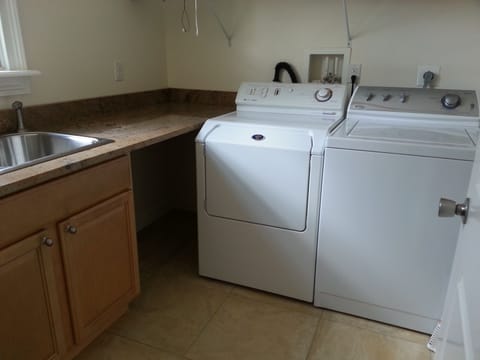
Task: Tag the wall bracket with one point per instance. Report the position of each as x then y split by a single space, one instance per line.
228 36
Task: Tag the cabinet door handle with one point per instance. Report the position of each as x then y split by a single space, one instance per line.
71 229
47 241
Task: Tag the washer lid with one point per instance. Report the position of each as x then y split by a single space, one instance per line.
423 135
443 142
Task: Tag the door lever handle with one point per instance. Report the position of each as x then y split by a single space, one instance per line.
449 208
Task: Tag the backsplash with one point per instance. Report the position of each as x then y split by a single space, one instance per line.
47 116
204 97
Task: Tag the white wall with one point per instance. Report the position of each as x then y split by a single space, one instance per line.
390 38
74 43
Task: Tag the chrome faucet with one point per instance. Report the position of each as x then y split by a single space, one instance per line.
18 107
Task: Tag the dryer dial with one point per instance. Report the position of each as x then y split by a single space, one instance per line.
451 101
323 94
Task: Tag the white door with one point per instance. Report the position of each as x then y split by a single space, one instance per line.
460 330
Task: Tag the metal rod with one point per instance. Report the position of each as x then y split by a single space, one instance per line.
347 25
196 17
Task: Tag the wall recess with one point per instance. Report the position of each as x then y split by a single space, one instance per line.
328 65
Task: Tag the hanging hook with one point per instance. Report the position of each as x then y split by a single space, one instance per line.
185 19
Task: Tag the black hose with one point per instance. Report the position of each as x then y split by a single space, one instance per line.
354 80
288 68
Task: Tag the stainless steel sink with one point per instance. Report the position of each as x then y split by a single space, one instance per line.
23 149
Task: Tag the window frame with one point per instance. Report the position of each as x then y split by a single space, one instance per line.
14 74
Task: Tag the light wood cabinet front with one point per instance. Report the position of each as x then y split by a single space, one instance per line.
58 295
28 318
100 259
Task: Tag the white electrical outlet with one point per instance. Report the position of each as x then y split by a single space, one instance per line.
422 69
118 74
354 69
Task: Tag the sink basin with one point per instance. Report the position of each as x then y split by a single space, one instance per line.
20 150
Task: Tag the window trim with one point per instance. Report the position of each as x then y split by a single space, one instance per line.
12 33
14 74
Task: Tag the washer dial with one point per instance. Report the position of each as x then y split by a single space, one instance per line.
323 94
451 101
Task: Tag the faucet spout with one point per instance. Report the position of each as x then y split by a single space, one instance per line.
18 107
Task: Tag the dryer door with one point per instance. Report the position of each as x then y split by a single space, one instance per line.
258 174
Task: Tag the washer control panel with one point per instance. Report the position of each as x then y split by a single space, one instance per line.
311 98
415 100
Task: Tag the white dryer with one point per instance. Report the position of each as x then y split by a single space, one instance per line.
258 186
382 251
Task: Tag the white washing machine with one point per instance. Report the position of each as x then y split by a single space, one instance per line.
258 186
383 253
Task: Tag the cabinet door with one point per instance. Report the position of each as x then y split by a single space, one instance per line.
101 265
28 300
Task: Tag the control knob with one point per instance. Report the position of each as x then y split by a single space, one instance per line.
323 94
451 101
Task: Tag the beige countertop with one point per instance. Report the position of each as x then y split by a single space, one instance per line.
130 131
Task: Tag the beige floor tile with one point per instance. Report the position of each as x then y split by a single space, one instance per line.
177 308
111 347
381 328
342 341
246 329
261 296
172 311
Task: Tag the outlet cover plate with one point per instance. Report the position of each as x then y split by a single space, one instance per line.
118 71
354 69
422 69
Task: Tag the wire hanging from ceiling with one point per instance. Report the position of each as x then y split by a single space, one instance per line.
185 18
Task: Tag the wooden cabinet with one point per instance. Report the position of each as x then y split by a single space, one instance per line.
100 264
70 280
28 302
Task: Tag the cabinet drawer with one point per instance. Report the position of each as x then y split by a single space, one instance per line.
22 212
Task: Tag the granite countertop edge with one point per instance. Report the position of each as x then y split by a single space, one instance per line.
132 130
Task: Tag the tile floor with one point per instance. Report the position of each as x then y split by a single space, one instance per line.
180 316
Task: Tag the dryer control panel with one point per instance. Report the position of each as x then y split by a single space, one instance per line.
318 99
414 101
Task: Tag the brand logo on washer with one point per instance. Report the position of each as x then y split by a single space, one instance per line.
258 137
